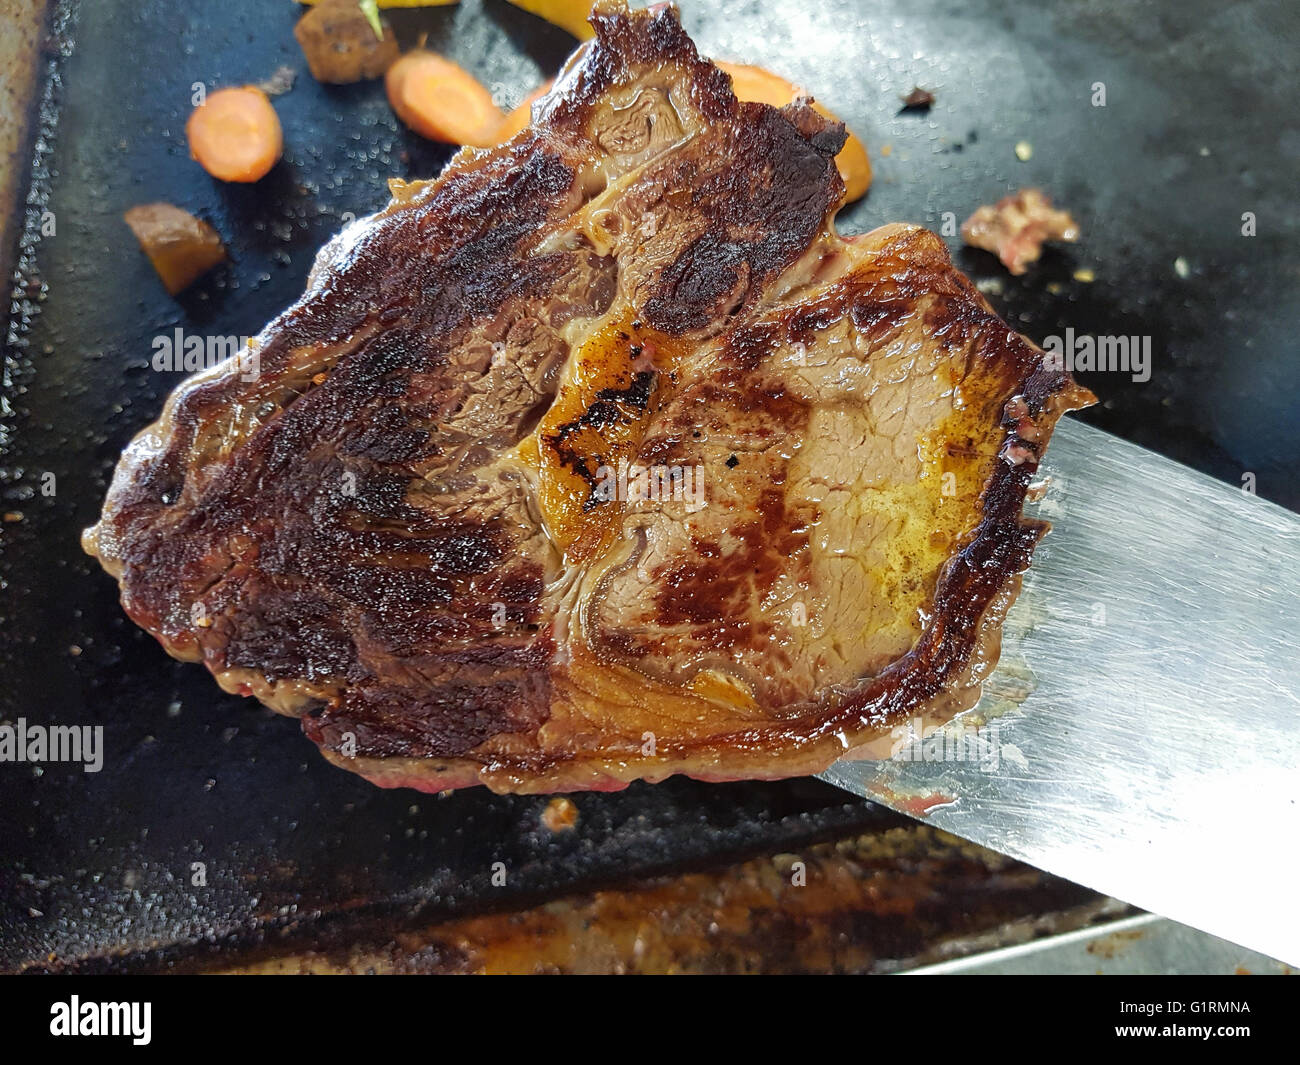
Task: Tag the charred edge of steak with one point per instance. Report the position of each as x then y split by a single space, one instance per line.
761 219
626 46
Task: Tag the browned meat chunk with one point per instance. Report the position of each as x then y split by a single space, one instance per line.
181 247
340 44
1017 226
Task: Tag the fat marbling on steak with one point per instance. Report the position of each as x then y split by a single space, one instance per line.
602 457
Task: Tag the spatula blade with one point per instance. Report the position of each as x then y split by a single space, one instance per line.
1141 734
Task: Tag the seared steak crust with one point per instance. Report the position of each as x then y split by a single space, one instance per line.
397 528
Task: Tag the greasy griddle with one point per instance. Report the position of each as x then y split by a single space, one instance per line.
1194 133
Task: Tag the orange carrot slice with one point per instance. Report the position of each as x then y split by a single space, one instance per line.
522 116
854 165
758 85
762 86
441 101
235 134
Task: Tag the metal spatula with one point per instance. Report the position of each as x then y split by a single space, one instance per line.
1141 734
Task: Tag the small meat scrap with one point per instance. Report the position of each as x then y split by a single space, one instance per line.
1015 228
560 815
280 81
918 99
181 247
340 44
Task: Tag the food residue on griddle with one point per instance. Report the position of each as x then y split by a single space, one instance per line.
280 81
560 814
918 99
1016 228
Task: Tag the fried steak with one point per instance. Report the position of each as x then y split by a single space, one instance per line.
601 457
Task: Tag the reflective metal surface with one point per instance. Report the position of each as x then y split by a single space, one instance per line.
1145 945
1139 735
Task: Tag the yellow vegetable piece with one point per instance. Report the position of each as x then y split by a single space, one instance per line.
569 15
763 87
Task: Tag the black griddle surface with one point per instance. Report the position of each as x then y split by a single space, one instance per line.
1199 127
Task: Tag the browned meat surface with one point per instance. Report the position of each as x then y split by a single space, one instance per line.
601 457
1016 227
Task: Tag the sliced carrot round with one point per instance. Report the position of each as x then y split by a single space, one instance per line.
235 134
441 101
